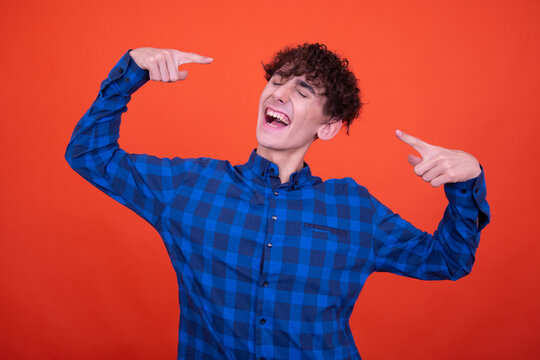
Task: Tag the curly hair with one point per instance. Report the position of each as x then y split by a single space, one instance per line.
323 69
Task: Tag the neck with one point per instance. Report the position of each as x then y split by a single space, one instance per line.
288 162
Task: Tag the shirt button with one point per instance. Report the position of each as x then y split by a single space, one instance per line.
276 193
269 245
271 170
120 71
265 284
262 321
274 217
262 173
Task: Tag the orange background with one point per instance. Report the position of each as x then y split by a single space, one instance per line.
82 277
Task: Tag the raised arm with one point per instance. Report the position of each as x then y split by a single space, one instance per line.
449 253
143 183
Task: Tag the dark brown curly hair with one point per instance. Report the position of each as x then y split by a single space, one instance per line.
323 69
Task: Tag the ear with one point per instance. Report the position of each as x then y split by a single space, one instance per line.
329 129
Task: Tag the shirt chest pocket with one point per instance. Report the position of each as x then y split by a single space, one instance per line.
325 246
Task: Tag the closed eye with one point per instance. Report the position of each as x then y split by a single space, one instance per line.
302 95
304 85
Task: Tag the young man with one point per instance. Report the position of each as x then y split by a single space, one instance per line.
270 259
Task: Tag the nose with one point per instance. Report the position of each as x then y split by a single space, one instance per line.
282 92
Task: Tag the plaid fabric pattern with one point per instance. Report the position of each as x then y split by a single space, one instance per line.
266 270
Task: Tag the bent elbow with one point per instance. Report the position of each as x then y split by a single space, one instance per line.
73 157
460 270
68 155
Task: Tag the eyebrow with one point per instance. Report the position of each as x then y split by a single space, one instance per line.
305 85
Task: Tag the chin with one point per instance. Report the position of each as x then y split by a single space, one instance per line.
265 143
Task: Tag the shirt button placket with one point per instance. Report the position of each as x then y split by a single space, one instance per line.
273 218
264 326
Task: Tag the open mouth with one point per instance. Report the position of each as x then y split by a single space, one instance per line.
276 119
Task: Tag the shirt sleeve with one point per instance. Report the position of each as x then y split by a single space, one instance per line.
143 183
449 253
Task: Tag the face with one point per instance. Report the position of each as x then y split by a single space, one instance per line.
290 114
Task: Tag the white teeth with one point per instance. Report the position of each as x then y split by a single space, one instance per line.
279 116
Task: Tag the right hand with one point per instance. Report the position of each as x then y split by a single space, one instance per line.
162 64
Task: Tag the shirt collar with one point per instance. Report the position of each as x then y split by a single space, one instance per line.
264 168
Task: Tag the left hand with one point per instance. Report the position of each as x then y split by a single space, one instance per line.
438 165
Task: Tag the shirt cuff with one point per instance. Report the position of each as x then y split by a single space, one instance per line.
470 193
127 75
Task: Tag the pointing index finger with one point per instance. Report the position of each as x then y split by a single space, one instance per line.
185 58
419 145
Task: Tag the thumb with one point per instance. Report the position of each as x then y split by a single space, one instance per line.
182 74
414 160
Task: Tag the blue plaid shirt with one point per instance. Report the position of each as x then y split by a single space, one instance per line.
266 270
